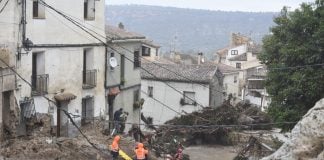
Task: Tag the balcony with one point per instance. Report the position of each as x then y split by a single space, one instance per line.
89 79
40 84
256 73
256 84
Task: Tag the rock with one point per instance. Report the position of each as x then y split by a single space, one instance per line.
307 137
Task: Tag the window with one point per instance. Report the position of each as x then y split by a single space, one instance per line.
137 60
146 51
89 74
238 65
122 69
87 110
150 91
89 9
39 79
189 97
136 95
235 79
157 52
112 54
38 10
234 52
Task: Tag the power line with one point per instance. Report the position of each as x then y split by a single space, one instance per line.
68 25
295 67
162 103
4 6
170 107
85 29
49 100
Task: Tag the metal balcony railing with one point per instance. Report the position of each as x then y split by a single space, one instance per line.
256 84
89 78
40 84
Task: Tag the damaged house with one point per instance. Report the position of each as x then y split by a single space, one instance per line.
58 59
199 86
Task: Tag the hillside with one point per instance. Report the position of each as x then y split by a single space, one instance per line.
195 30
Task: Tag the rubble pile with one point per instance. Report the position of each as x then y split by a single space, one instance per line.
306 141
40 144
208 126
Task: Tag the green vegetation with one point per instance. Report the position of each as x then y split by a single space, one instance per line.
296 40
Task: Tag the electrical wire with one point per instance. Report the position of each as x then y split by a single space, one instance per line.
4 6
83 28
49 100
164 67
296 67
68 26
87 31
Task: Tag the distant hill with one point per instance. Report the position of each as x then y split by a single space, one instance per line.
195 30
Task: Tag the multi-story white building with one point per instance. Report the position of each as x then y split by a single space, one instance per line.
64 63
242 55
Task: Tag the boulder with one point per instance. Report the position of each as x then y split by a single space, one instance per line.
307 137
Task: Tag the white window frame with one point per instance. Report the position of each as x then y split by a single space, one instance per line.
234 52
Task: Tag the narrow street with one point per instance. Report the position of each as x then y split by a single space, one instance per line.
215 152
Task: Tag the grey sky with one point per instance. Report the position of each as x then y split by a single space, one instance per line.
226 5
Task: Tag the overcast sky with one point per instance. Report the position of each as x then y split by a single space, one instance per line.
226 5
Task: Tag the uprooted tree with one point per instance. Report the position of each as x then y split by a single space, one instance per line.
297 40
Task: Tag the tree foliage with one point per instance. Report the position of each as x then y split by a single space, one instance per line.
297 39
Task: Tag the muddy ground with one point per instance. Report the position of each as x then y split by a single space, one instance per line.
45 147
211 152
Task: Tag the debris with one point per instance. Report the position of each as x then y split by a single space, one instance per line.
42 145
212 126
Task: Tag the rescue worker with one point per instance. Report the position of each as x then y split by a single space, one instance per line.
117 115
123 119
114 148
178 155
141 153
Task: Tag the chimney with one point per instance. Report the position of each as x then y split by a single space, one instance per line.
121 25
200 54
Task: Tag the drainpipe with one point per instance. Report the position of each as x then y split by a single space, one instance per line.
58 118
106 52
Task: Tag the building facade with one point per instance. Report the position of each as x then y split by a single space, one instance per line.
242 55
196 87
123 81
63 62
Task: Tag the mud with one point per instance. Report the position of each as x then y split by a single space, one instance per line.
211 152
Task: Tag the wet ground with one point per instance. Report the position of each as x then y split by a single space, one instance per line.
215 152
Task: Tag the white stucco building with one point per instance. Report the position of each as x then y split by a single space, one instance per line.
64 61
230 81
242 54
198 86
123 82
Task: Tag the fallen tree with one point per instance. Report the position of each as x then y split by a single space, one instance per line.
208 126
